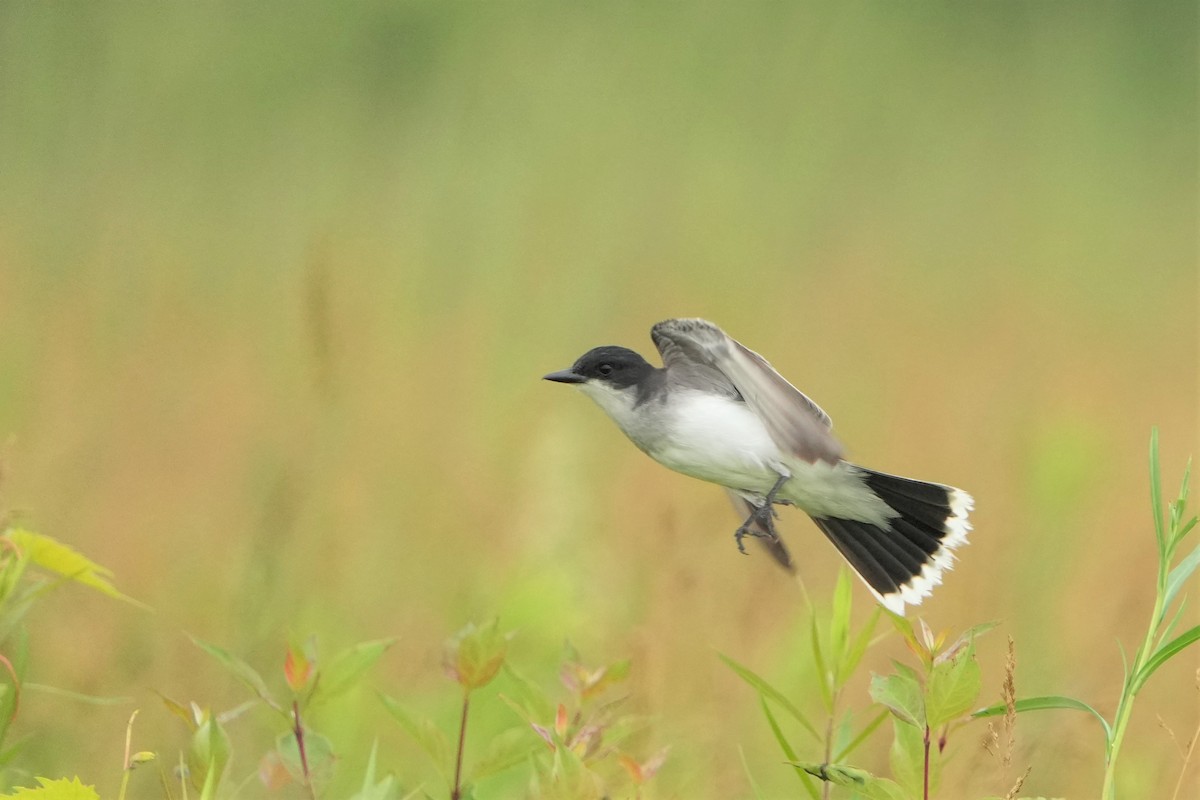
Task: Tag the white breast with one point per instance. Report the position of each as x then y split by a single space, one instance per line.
718 439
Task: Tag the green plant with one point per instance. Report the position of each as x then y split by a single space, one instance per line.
31 566
299 754
837 650
1158 645
572 745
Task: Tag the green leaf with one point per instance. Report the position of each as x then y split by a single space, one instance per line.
240 669
758 795
208 753
62 789
863 783
901 694
1178 578
768 691
318 754
58 558
858 647
474 655
347 668
431 740
907 757
507 749
526 698
786 747
863 735
1183 530
952 688
1043 704
370 789
839 622
823 673
1164 654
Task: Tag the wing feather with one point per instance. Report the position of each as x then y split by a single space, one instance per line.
697 349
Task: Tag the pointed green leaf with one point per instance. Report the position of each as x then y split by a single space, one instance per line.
526 697
901 694
862 736
766 690
858 648
424 733
240 669
371 790
62 789
786 747
826 678
507 749
906 757
347 668
1164 654
839 620
1165 634
56 557
754 787
1043 704
1178 577
208 753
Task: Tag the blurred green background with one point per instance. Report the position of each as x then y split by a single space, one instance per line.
278 283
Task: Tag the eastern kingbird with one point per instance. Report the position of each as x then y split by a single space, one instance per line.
719 412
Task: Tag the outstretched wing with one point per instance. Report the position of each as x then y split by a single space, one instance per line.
695 347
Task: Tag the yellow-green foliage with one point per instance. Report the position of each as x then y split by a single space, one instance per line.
62 789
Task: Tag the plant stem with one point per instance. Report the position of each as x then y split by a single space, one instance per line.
1125 704
298 732
925 790
1129 689
456 792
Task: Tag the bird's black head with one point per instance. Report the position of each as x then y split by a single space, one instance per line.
617 366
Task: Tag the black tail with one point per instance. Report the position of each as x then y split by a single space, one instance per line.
902 559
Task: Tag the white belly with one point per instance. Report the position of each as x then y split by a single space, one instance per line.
722 441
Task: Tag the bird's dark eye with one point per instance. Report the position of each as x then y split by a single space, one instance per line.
605 369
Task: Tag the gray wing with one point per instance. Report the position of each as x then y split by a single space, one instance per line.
696 347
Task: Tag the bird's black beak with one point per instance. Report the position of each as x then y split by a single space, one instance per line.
564 376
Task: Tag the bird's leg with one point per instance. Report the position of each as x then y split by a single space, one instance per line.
761 522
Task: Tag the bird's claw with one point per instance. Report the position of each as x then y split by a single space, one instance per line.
763 516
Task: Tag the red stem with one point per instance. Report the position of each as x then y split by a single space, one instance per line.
456 792
925 796
298 731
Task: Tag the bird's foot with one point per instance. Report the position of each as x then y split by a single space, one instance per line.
760 524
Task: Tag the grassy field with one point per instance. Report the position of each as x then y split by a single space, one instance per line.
278 283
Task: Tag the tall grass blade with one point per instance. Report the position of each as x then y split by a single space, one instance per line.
1043 704
865 734
1164 654
787 750
767 691
822 671
758 795
240 669
1178 576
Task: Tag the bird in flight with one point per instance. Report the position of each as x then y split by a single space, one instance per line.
719 412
